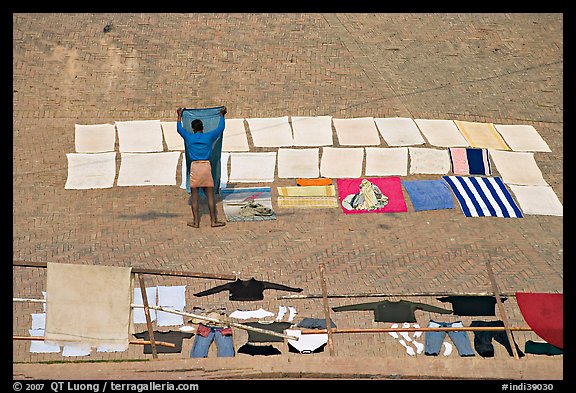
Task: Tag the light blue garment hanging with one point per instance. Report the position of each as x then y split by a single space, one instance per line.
210 118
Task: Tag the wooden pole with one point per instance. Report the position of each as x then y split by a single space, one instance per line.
148 319
159 272
216 320
351 295
139 342
436 329
501 309
326 310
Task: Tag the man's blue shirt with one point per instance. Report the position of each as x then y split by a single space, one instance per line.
199 144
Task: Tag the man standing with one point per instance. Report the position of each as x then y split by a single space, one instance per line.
199 148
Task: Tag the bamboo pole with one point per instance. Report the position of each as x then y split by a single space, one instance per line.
501 309
316 295
326 310
139 342
148 319
159 272
19 299
425 329
216 320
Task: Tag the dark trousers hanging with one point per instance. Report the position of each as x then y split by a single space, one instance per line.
483 339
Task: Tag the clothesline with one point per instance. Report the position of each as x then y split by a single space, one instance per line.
414 294
140 342
217 320
422 329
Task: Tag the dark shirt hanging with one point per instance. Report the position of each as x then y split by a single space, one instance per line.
472 305
393 311
169 337
251 289
257 337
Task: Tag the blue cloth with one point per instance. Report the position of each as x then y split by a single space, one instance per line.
429 194
477 158
224 344
483 196
433 340
211 118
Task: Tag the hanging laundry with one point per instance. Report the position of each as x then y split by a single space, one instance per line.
257 337
542 348
306 343
483 339
174 298
171 336
472 305
251 289
315 323
393 311
433 340
259 350
206 334
247 314
405 340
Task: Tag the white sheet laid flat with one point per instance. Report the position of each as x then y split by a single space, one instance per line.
522 137
359 131
148 169
312 130
341 162
138 313
139 136
224 158
518 168
173 140
252 167
538 200
39 321
270 132
306 343
429 161
443 133
41 346
481 135
386 161
88 304
94 138
90 170
234 138
172 297
247 314
399 131
298 163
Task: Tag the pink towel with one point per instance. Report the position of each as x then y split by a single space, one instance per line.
390 186
459 161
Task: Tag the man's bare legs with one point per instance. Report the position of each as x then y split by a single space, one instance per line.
209 191
194 206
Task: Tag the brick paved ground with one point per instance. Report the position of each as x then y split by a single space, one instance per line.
501 68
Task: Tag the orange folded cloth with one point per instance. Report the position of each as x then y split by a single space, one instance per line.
314 182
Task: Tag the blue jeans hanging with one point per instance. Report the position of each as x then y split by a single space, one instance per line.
205 335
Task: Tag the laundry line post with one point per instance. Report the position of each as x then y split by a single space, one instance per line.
147 314
326 309
501 309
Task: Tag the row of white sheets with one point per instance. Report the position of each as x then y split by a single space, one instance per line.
170 297
145 136
98 170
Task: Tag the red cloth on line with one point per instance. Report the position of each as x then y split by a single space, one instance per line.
544 313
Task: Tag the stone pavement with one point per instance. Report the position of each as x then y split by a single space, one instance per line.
500 68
